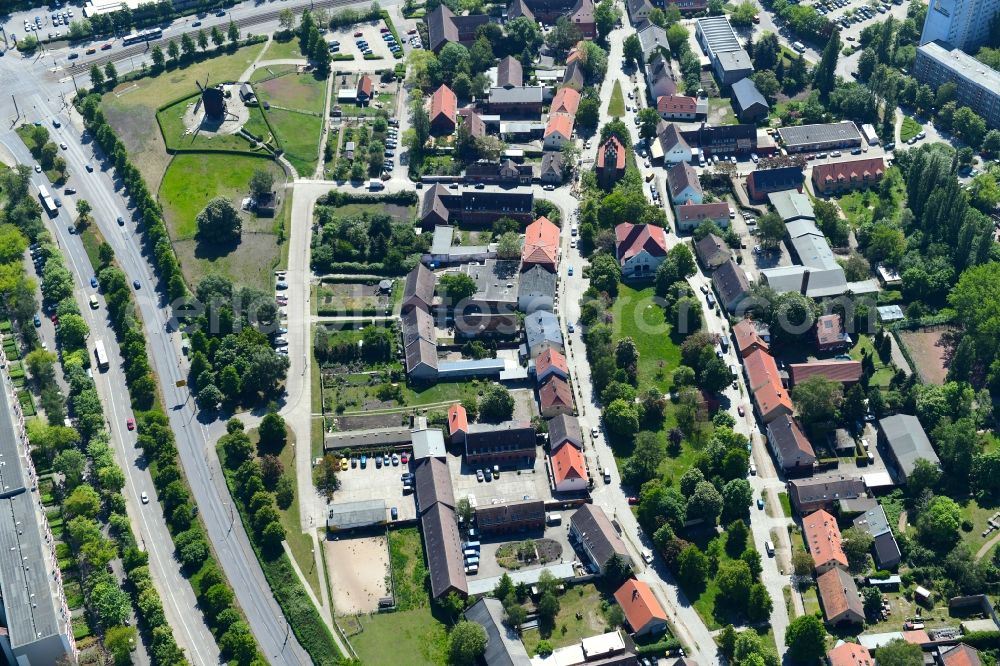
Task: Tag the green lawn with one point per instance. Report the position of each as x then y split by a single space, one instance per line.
351 392
616 107
909 129
884 372
786 504
283 50
978 515
297 102
414 638
298 134
409 569
579 617
720 111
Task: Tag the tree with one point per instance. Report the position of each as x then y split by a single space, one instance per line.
621 419
617 570
605 273
767 83
496 404
824 78
71 464
648 452
96 76
736 538
606 15
900 653
705 503
83 501
648 121
73 331
509 246
548 608
770 229
692 568
759 605
872 599
273 434
261 182
734 581
113 605
217 37
119 642
325 475
806 639
632 49
677 35
817 399
233 33
466 643
744 13
457 287
286 19
938 525
111 73
802 563
158 59
856 543
187 45
219 222
737 495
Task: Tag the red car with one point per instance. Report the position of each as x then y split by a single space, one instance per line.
383 30
632 499
106 47
55 319
130 424
359 34
405 458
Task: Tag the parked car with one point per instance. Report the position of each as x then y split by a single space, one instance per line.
479 475
130 423
394 512
760 502
38 321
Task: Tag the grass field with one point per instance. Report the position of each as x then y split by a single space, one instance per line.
720 111
297 102
283 50
616 107
579 617
909 129
298 134
883 372
409 570
191 182
131 107
175 136
414 638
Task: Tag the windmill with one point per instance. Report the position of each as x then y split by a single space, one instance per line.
213 100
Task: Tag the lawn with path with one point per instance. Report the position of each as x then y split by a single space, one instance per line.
286 49
909 129
297 102
414 638
616 107
579 617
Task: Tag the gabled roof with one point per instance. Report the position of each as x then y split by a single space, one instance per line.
829 329
787 438
541 242
747 336
418 290
792 206
731 281
771 397
676 104
780 178
568 464
444 551
503 645
567 100
597 532
417 325
711 249
444 102
761 369
519 8
652 36
825 489
552 163
510 73
474 122
745 94
839 595
582 12
537 282
822 537
639 604
680 177
631 239
671 137
611 150
961 655
365 86
691 212
846 372
560 123
433 484
458 419
440 27
853 170
850 654
542 326
551 358
573 74
554 393
634 6
907 440
565 429
421 352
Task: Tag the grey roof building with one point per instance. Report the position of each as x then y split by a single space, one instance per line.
542 331
874 521
732 66
731 284
791 448
418 290
824 136
503 645
444 252
428 443
536 290
820 492
792 205
652 38
905 440
638 10
552 167
591 529
353 439
659 77
354 515
712 251
510 74
444 551
433 485
729 60
565 429
977 85
749 104
444 27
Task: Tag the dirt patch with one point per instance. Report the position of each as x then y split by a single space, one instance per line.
358 569
135 125
548 550
930 350
370 421
249 264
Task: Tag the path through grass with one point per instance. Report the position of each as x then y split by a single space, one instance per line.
616 107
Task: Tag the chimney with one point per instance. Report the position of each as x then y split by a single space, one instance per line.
635 593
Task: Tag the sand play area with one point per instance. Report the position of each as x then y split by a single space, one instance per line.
358 569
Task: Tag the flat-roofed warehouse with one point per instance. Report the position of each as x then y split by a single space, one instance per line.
355 515
826 136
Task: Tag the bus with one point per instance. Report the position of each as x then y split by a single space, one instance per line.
101 355
48 203
142 36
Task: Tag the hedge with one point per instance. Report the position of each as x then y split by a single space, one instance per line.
660 647
335 198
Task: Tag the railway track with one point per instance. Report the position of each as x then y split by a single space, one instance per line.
83 67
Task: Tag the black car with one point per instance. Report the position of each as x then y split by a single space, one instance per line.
121 221
90 168
136 285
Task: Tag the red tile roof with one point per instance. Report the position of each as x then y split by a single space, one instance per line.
761 369
555 393
822 537
458 419
772 399
840 598
851 171
916 637
639 604
847 372
747 337
676 104
365 85
444 101
612 145
566 100
561 123
829 330
961 655
850 654
631 239
694 212
575 52
567 464
551 358
541 243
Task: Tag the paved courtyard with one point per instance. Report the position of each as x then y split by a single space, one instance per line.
358 484
522 483
488 566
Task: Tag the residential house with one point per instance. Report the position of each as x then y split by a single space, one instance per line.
749 105
638 10
510 74
960 655
683 184
849 654
839 597
838 177
555 397
474 207
551 363
761 182
573 75
639 248
432 484
590 527
652 38
845 372
886 550
567 100
569 470
458 424
503 644
474 123
677 107
536 290
822 538
749 337
541 245
830 334
364 89
582 16
659 76
690 216
904 439
712 251
610 163
670 146
418 290
419 343
643 612
552 168
772 400
792 450
731 284
443 27
722 139
565 429
505 172
509 517
447 567
823 492
760 369
508 443
691 6
542 331
522 102
558 131
444 111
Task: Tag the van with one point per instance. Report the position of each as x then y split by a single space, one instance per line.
799 46
472 561
607 475
769 547
470 552
471 545
473 569
93 302
574 230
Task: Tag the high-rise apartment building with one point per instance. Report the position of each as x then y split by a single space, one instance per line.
962 23
977 85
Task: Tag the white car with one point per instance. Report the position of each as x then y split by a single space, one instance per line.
144 497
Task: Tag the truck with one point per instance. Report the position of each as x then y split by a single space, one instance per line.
101 355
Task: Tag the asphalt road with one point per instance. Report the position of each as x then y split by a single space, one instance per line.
179 601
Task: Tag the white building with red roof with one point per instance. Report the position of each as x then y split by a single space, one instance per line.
640 248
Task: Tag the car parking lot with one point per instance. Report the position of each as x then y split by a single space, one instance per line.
360 39
488 565
513 484
373 482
